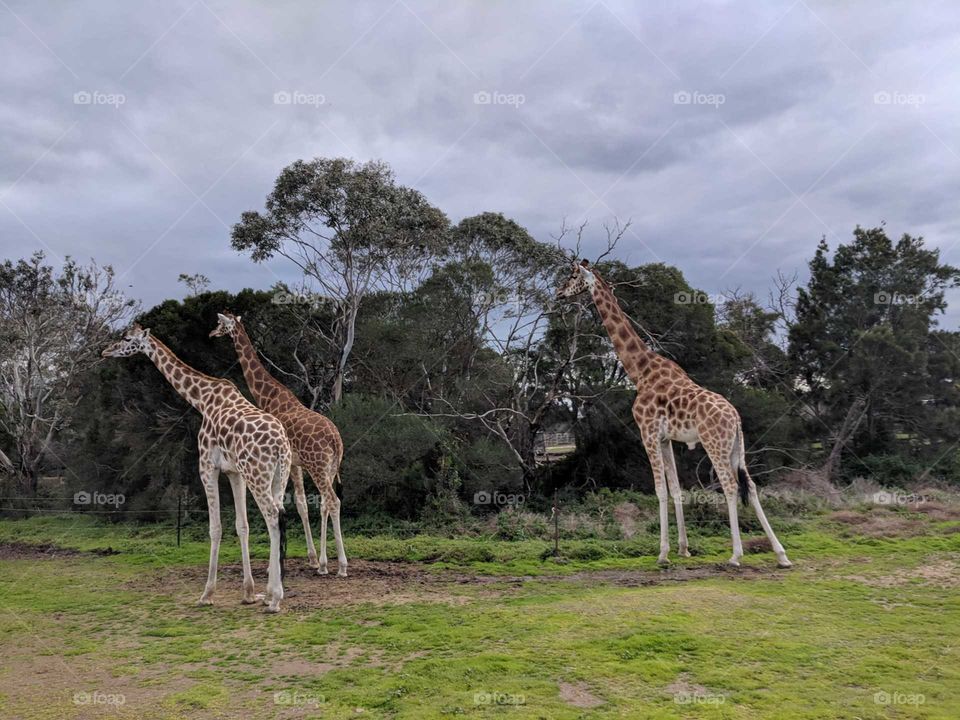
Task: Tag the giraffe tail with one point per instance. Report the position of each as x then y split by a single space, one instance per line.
740 464
282 522
281 477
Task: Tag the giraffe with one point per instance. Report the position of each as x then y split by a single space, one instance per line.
670 406
247 444
316 443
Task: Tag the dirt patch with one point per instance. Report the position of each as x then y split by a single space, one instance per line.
943 574
757 545
383 583
879 524
369 582
579 695
938 511
643 578
26 551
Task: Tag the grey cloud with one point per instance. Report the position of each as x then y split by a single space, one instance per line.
717 189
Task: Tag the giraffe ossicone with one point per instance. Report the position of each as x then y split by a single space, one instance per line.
315 440
248 445
671 407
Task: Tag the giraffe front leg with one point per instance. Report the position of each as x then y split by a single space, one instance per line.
673 483
659 482
209 475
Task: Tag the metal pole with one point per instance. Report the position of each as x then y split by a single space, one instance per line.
556 525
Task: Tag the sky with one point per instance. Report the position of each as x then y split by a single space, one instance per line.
732 135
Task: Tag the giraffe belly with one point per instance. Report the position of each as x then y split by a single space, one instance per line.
222 461
688 435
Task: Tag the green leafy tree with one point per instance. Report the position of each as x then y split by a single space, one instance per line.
861 341
352 230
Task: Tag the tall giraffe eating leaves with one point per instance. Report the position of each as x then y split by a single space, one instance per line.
236 438
670 406
317 447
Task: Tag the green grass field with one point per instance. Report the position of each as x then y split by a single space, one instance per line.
99 620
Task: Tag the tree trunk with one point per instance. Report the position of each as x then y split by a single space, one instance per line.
350 333
855 415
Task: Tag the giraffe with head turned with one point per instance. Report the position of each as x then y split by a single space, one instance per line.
316 443
248 445
670 406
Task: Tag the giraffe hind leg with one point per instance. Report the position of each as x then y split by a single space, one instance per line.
296 475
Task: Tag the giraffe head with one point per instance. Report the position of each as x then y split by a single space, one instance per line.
227 324
581 278
135 340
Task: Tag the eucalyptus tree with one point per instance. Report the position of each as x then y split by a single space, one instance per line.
351 230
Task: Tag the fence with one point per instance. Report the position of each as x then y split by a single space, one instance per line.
100 504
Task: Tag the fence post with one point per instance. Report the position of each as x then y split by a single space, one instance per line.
556 525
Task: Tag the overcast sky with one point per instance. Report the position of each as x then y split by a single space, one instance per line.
732 134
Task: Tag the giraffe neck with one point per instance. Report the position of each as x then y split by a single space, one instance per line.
632 351
192 385
265 388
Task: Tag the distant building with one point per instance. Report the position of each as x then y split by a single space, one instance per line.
554 444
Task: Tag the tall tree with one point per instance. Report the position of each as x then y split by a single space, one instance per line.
861 339
52 327
351 229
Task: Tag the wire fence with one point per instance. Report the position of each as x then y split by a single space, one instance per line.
89 504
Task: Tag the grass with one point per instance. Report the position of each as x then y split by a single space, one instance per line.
863 626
